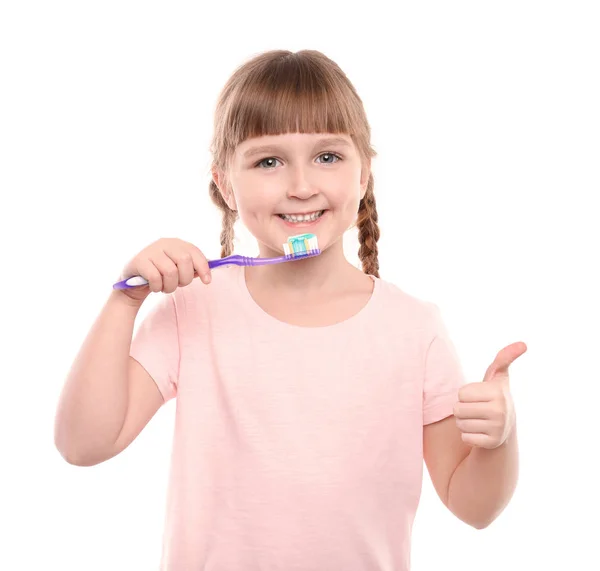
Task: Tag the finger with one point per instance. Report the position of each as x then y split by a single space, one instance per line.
168 270
200 264
152 275
476 392
475 426
473 410
504 358
183 260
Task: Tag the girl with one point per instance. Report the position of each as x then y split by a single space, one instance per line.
304 388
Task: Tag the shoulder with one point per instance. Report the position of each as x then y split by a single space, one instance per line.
399 302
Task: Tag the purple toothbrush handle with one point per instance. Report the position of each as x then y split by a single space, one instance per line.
238 260
235 260
129 283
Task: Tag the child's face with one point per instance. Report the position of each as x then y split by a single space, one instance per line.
298 174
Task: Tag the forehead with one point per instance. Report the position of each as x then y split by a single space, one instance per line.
270 143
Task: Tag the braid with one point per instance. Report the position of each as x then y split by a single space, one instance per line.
368 231
229 218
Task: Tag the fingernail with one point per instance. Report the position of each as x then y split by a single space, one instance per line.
206 278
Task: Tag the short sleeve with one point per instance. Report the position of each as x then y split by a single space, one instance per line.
155 345
444 374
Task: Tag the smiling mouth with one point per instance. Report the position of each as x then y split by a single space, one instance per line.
297 218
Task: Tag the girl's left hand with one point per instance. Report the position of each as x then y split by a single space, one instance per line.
485 412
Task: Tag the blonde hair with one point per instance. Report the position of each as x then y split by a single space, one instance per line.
279 92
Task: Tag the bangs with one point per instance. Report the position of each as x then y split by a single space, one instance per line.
288 96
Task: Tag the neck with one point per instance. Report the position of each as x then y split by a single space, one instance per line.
327 271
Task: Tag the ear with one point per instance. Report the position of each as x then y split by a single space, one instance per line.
364 179
224 186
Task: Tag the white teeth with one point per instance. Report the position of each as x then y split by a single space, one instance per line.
302 217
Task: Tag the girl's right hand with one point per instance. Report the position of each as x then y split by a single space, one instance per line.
166 264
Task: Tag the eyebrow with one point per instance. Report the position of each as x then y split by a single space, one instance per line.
274 148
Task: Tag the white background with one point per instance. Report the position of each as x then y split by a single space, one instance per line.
486 120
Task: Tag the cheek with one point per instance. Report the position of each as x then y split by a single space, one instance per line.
255 204
347 191
346 199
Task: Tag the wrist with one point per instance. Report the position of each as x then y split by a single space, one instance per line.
121 299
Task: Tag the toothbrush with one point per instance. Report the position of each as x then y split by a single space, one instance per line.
296 248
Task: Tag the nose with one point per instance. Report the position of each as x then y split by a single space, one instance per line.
300 185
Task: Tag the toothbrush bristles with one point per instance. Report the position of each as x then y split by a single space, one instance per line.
302 246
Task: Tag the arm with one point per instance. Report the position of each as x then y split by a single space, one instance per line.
93 403
480 481
484 482
475 484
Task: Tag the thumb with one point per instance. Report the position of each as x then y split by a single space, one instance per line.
504 358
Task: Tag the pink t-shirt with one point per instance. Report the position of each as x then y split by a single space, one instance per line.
295 448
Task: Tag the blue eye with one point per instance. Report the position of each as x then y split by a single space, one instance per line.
332 155
267 159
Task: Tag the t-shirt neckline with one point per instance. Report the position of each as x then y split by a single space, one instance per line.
269 319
